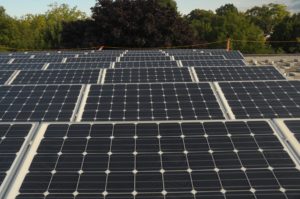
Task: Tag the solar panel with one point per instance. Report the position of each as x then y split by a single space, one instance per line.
89 59
146 58
22 66
148 64
214 63
265 99
229 55
238 73
55 66
13 140
166 160
147 75
42 60
4 76
177 101
38 103
198 57
4 61
57 77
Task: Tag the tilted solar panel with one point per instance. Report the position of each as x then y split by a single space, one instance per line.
265 99
149 64
4 61
146 58
214 63
198 57
22 66
38 103
238 73
84 65
147 75
167 160
89 60
58 77
42 60
140 102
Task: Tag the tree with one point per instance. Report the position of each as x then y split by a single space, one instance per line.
287 30
267 16
227 21
139 23
227 9
201 22
55 17
6 28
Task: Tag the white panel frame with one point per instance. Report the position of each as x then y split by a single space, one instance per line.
12 77
288 135
223 100
17 163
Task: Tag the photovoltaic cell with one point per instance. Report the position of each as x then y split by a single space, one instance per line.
147 75
265 99
12 137
69 66
166 160
148 64
130 102
4 76
213 63
57 77
238 73
38 103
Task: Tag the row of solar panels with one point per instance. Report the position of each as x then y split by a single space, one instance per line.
151 102
218 159
95 65
141 75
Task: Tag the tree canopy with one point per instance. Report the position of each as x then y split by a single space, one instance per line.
152 23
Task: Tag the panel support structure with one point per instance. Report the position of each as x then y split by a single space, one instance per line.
219 93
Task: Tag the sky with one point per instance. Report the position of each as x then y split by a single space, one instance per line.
20 7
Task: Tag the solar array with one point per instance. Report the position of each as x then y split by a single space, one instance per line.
141 124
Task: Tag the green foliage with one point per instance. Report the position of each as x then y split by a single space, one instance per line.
139 23
287 30
151 23
267 16
227 22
